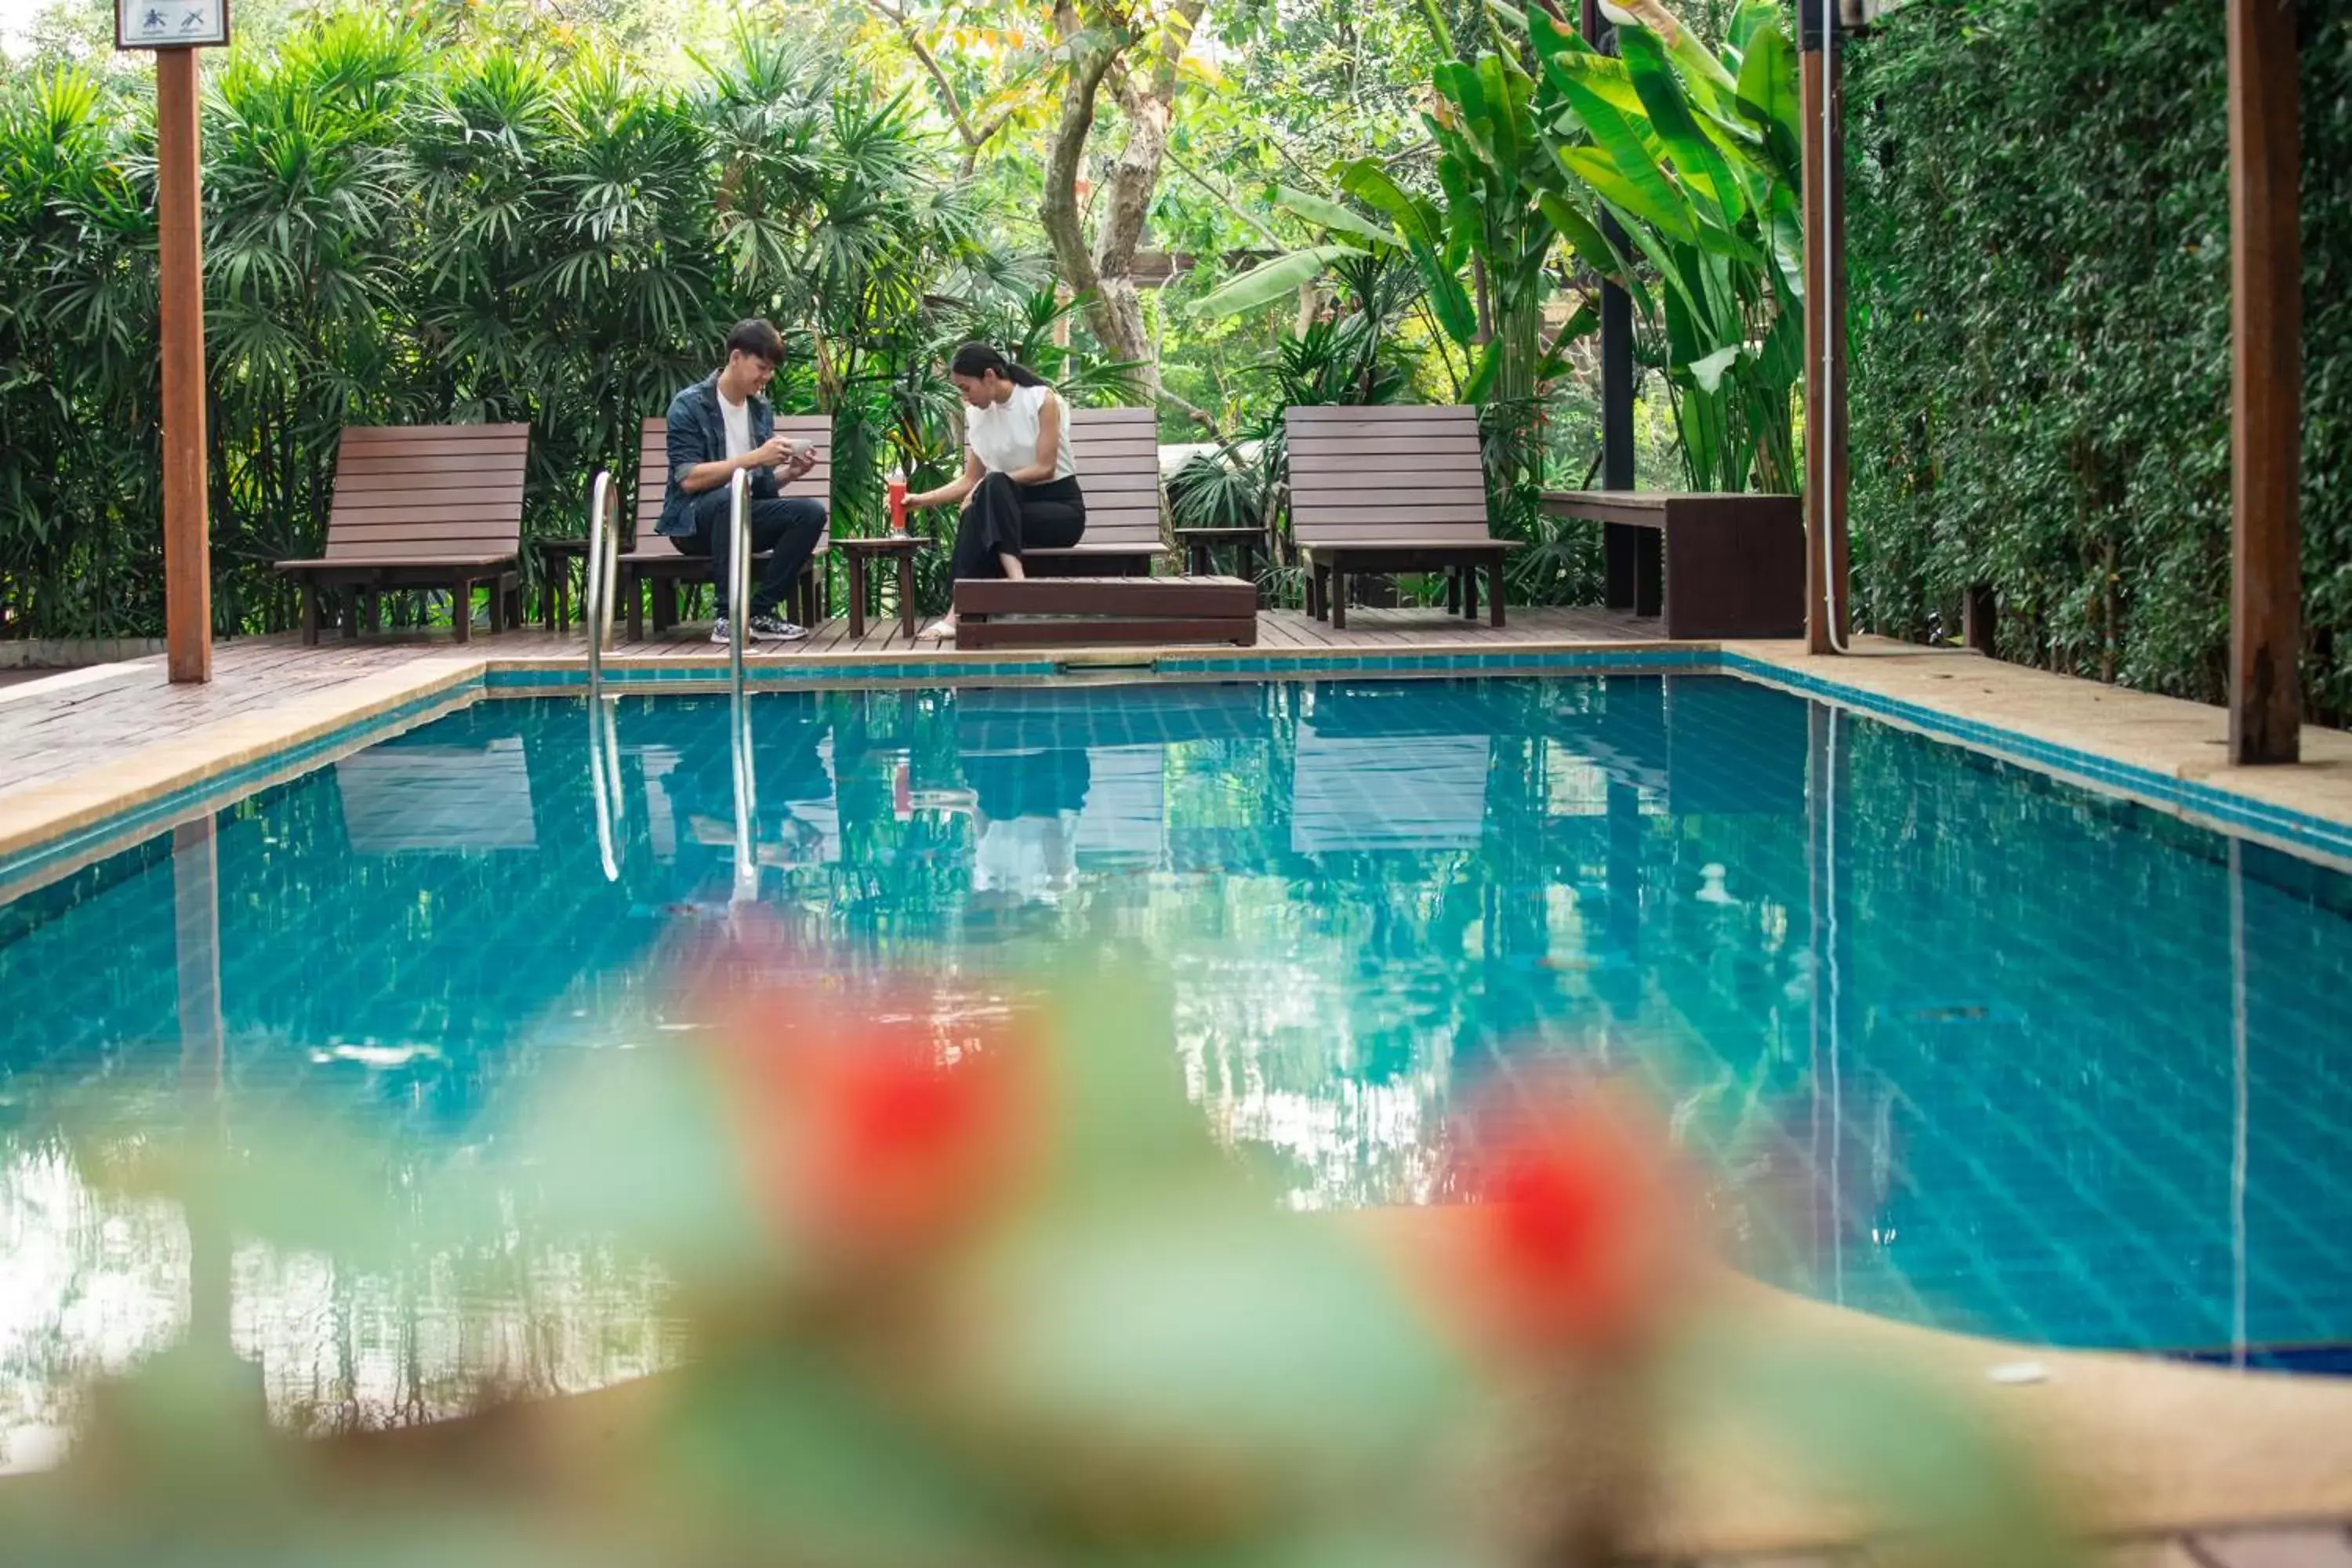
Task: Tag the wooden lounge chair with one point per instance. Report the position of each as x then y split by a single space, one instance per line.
1118 450
655 560
422 506
1392 490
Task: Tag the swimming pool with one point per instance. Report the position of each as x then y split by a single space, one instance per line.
1964 1045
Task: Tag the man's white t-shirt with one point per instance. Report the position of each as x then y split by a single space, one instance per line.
738 416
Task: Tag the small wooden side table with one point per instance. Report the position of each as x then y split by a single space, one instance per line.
1197 543
555 559
879 546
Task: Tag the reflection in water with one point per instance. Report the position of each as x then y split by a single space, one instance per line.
1963 1045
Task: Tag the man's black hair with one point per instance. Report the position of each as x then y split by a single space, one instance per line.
758 339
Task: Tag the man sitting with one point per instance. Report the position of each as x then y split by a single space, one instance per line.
718 426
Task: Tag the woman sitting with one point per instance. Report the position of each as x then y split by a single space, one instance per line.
1020 475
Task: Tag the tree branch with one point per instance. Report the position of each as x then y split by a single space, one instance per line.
1201 417
1230 206
974 140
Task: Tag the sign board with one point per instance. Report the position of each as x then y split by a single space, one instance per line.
170 24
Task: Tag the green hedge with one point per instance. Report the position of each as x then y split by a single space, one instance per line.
2038 245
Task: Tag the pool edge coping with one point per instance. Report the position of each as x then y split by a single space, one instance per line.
45 824
165 787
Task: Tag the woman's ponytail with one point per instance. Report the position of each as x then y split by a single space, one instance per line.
977 359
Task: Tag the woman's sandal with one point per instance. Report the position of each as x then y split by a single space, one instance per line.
937 631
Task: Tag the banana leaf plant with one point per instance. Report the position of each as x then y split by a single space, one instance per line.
1696 155
1483 256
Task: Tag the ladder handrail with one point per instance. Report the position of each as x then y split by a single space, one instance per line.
738 572
739 632
604 563
602 588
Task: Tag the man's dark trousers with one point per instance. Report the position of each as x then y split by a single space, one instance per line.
785 526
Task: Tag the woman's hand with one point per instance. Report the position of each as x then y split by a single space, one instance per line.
948 494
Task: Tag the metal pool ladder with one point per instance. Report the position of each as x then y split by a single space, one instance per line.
739 728
604 743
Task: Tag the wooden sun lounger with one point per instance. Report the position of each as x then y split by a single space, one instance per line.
1392 490
659 562
422 506
1117 451
1099 591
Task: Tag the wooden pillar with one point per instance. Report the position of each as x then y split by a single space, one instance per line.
2265 387
1825 503
187 555
1980 618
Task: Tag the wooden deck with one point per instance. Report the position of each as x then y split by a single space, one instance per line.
85 719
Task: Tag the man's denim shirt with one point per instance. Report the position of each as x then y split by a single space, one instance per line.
697 434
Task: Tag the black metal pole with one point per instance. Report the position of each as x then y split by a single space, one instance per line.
1616 320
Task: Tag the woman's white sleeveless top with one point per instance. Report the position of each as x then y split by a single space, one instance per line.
1004 435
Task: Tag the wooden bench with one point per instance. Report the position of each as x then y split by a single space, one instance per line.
1392 490
1117 453
1128 612
1712 565
656 560
422 506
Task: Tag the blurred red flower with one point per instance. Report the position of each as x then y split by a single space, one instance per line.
1577 1234
874 1128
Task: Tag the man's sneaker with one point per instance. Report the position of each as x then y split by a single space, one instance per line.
720 632
772 628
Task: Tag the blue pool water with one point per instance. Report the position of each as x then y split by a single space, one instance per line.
1961 1043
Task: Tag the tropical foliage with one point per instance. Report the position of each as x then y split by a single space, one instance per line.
2040 335
1350 353
399 232
1693 153
1672 168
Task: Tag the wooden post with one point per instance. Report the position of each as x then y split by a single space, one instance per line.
1826 506
2265 387
187 555
1980 618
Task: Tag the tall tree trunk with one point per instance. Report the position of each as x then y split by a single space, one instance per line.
1064 223
1146 93
1117 310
